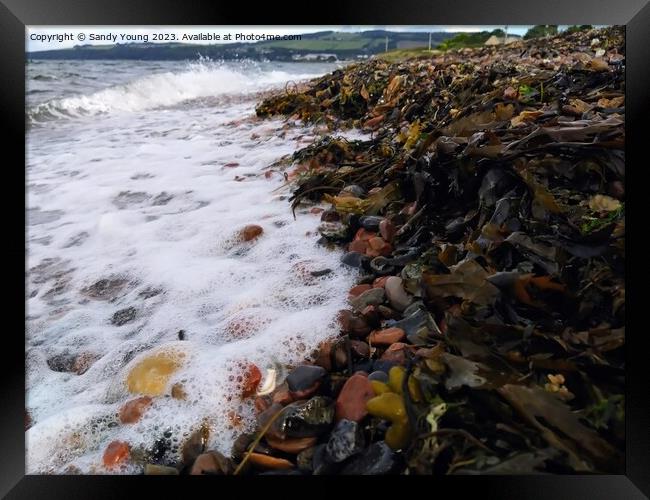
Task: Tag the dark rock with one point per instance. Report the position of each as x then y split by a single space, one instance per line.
353 324
241 445
413 308
322 272
372 297
377 459
356 260
162 199
370 222
195 444
61 362
379 376
418 327
124 316
330 216
149 292
360 349
303 418
345 441
104 289
305 458
321 464
304 380
365 366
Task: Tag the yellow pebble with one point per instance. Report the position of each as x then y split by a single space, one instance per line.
396 378
150 376
379 387
397 435
388 406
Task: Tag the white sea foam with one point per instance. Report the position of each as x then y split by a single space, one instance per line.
144 197
192 81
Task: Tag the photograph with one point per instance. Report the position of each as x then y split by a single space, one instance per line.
325 250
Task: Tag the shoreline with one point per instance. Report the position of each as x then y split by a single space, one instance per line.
417 369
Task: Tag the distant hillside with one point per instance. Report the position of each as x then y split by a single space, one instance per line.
325 45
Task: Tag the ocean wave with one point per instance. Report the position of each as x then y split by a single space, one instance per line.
199 80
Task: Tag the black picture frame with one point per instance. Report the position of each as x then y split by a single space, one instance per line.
16 14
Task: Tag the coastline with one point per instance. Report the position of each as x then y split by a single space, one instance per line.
471 342
485 218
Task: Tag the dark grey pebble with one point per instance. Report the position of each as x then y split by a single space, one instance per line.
355 259
345 441
321 464
304 377
323 272
124 316
379 376
377 459
370 222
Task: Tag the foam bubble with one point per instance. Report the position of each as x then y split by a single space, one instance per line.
177 264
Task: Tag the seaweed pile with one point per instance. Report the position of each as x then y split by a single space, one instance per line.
486 217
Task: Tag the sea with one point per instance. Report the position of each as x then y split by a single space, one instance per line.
139 178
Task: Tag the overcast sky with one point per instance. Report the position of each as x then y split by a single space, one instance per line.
35 45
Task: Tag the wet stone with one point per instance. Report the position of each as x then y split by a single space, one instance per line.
105 289
304 459
149 293
377 459
303 418
329 216
212 463
128 198
304 380
133 410
251 232
370 222
195 444
351 403
355 259
321 464
162 199
396 294
418 326
124 316
387 336
353 323
372 297
345 441
365 366
61 363
379 376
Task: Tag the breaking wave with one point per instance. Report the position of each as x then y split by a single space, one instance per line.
198 80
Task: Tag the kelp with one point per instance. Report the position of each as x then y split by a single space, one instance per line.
502 171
